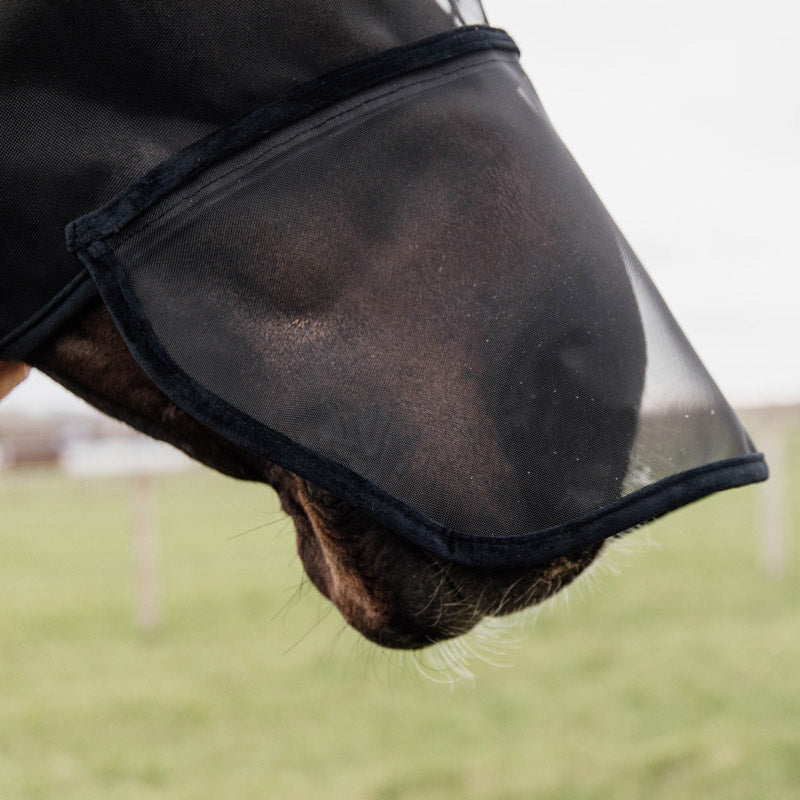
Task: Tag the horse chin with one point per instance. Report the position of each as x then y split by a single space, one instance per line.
398 595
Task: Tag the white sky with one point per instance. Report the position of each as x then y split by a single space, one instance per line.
685 116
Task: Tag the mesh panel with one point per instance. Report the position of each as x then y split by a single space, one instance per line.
684 420
419 284
93 93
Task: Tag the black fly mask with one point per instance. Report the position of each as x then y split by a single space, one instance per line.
350 241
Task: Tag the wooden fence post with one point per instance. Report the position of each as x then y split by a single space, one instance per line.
144 533
774 540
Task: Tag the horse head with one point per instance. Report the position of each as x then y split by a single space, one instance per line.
339 249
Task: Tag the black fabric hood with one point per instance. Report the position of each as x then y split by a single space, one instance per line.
94 93
392 279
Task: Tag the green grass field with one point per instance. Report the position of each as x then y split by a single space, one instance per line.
675 676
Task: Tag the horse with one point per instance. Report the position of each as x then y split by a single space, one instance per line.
97 94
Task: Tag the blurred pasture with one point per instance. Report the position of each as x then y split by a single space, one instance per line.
671 672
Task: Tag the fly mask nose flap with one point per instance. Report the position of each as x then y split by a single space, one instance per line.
412 297
396 282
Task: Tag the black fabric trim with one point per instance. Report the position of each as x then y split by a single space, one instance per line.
528 550
622 516
291 107
75 296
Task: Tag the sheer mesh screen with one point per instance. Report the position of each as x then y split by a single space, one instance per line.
93 93
419 284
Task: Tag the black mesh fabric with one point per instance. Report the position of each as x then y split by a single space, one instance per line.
93 93
409 294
